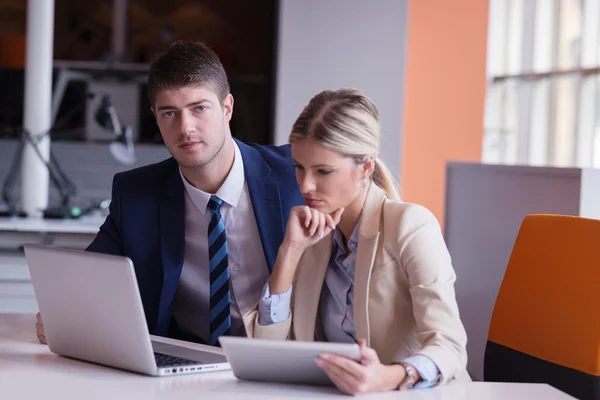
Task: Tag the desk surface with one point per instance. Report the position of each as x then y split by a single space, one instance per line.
29 371
88 224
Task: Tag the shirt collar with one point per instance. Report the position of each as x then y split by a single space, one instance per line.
230 191
338 238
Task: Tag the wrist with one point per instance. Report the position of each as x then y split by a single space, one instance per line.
290 250
284 270
396 374
411 376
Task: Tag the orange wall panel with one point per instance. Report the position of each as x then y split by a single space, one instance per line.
444 98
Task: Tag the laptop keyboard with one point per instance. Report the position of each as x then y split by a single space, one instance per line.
165 360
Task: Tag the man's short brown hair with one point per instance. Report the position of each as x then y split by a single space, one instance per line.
187 64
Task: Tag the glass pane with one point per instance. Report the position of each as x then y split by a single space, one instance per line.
502 113
514 36
492 131
590 38
501 134
586 121
510 122
596 130
496 55
569 34
596 163
543 41
565 101
523 110
540 118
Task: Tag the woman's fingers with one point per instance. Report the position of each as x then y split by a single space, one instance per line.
330 223
307 214
339 380
318 223
337 215
322 224
314 222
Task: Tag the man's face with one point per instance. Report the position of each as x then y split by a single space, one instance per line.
193 123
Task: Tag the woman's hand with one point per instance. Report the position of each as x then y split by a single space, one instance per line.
306 226
354 378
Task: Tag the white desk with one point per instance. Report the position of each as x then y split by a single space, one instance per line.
78 233
16 290
86 224
29 371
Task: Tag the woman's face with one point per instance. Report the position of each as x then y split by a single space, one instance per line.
327 179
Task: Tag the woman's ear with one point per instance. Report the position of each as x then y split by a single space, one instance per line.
368 166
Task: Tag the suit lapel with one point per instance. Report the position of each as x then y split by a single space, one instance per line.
308 286
266 202
172 245
368 241
367 248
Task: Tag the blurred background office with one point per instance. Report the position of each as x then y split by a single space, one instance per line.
93 58
490 110
277 54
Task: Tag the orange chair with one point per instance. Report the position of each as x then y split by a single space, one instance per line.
545 325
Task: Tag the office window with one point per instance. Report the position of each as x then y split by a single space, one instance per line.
543 95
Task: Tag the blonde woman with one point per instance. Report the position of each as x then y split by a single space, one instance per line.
359 265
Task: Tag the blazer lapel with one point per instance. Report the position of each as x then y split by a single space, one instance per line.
366 251
266 202
308 286
172 246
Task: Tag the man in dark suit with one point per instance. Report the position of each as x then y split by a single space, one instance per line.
202 228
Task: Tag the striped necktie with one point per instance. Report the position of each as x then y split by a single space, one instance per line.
220 318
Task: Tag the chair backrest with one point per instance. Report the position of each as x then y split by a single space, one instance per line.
545 325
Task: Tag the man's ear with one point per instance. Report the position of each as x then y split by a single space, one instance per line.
153 112
228 107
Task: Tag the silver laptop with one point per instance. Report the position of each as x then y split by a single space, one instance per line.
92 311
285 361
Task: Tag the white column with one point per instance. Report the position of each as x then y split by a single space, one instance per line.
119 28
38 104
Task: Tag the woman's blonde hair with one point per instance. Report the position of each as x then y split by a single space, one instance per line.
346 121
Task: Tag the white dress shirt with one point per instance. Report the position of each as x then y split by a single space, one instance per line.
247 264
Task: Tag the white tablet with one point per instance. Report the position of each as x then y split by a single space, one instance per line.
285 361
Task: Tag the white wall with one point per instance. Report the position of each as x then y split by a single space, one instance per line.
328 44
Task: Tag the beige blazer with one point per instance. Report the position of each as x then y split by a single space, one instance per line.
404 300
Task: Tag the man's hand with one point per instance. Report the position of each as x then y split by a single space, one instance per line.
39 328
